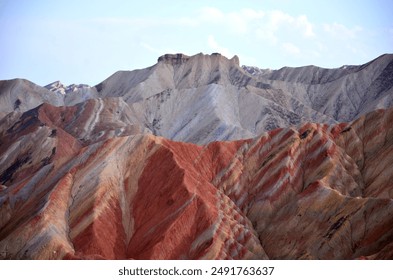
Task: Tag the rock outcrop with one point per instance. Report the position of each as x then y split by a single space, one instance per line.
173 58
315 191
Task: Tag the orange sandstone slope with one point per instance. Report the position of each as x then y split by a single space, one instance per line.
312 192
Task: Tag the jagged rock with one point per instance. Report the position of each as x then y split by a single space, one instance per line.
173 58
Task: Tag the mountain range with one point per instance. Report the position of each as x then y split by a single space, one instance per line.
205 98
197 157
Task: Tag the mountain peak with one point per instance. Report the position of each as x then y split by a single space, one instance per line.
179 58
59 87
173 58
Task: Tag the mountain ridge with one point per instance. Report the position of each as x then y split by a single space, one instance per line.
236 101
233 99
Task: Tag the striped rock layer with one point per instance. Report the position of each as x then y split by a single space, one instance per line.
82 183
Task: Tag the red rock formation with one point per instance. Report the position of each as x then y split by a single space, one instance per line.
74 189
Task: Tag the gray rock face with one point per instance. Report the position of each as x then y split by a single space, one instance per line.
205 98
343 94
21 95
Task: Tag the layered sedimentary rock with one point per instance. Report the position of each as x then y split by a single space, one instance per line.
85 173
81 183
205 98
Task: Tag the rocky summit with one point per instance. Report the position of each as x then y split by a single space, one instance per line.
197 157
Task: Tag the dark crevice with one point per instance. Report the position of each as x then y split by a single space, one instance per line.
7 175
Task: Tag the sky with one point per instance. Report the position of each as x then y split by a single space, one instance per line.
87 41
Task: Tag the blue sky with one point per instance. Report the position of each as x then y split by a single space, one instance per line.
87 41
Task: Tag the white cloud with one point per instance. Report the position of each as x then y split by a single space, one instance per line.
356 50
237 22
142 22
158 51
266 34
305 25
277 25
215 47
321 47
278 19
341 31
243 20
269 26
315 53
290 48
151 49
210 14
264 24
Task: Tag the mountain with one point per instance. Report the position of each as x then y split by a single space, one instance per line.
205 98
196 157
315 192
344 94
